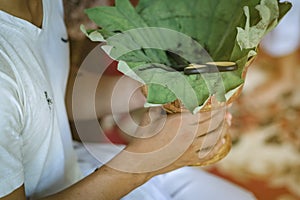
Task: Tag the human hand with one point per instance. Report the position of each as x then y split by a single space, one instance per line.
164 143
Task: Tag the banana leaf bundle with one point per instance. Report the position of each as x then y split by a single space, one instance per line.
153 40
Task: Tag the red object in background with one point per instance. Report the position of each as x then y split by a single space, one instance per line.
112 69
114 136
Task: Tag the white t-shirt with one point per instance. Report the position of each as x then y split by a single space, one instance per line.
35 140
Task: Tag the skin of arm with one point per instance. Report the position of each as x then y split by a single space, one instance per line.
105 183
124 90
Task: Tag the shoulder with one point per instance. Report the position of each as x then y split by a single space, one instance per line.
11 126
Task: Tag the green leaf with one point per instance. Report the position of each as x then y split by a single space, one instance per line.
158 36
250 36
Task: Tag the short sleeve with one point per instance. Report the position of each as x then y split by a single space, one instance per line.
11 123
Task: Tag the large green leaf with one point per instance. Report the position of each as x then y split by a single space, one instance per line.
158 36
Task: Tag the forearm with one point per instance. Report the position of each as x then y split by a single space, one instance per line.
94 95
105 183
118 94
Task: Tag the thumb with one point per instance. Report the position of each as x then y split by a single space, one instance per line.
152 115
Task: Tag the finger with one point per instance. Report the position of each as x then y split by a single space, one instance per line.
220 151
212 142
152 122
228 118
151 115
212 130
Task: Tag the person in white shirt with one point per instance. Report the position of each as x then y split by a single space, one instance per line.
37 159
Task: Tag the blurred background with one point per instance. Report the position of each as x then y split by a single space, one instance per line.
265 156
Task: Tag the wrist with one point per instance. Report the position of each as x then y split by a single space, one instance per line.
132 179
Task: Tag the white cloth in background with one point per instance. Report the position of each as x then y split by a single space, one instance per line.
35 141
191 183
285 38
187 183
